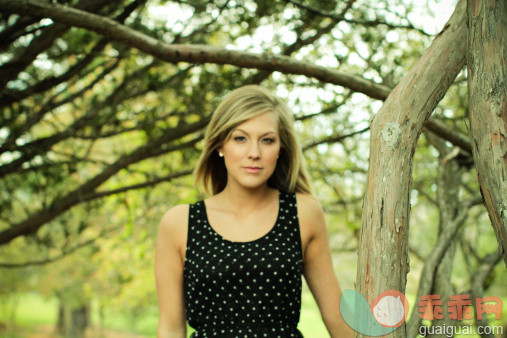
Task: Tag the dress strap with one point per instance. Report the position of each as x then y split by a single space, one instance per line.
194 232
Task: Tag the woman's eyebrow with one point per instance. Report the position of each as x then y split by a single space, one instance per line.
243 131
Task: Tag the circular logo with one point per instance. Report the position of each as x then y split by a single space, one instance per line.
390 308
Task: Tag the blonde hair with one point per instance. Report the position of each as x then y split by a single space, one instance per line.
237 107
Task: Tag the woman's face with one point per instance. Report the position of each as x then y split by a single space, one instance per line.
251 152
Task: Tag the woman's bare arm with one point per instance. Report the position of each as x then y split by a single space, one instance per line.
318 267
169 273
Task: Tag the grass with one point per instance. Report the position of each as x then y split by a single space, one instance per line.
34 312
31 309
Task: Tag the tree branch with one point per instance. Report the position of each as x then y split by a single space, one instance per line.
49 259
394 133
149 183
16 30
198 54
63 254
299 43
11 96
334 139
36 147
34 221
457 138
341 17
478 281
426 280
11 69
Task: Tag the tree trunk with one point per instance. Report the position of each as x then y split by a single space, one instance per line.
12 303
383 249
72 321
63 323
100 332
449 176
80 320
452 215
60 322
487 97
478 280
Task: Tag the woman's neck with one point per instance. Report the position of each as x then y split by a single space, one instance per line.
246 200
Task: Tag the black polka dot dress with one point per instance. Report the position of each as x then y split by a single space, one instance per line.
244 289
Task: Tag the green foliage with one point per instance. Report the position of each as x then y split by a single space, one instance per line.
108 117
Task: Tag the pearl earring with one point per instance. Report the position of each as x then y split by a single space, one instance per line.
220 154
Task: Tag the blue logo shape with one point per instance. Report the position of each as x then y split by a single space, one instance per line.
387 313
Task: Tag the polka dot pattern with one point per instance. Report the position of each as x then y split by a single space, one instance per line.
244 289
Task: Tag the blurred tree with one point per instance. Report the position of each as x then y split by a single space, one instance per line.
453 212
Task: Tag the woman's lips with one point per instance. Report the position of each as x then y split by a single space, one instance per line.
252 170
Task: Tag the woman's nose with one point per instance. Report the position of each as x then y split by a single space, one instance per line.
254 152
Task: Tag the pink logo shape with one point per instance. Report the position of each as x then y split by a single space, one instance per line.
390 308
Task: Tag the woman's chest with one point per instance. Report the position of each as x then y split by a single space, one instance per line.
242 228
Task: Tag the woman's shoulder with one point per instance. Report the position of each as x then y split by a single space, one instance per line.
308 204
310 213
176 213
175 220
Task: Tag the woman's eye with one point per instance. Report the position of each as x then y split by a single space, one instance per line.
268 140
239 138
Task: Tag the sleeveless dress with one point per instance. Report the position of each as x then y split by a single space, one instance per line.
244 289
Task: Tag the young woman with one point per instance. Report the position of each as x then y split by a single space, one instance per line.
231 264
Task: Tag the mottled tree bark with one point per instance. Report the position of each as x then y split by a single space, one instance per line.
383 249
487 96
